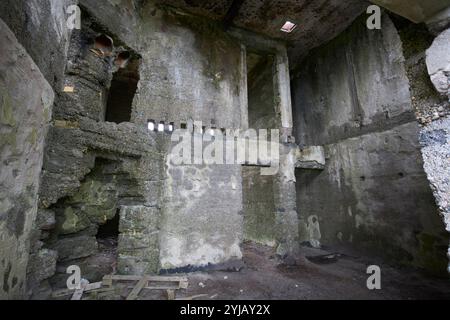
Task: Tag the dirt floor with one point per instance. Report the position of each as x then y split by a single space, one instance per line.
265 278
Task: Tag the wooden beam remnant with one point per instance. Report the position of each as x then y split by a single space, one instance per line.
137 289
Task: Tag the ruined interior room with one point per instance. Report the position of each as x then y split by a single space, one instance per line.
99 97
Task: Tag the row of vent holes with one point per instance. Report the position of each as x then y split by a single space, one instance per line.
161 127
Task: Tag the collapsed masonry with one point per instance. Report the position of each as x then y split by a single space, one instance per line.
82 175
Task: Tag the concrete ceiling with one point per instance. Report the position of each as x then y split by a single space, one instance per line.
318 20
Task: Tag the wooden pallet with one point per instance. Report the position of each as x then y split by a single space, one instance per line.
148 283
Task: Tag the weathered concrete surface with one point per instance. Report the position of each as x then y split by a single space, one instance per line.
373 193
344 75
185 74
41 28
26 99
440 21
318 21
415 10
138 248
435 139
431 107
310 158
201 221
259 206
438 63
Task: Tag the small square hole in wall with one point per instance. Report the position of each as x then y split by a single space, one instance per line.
161 127
171 127
183 126
151 125
288 27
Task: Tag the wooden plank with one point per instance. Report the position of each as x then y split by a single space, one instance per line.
193 297
93 286
161 288
184 284
77 294
170 294
150 278
62 293
69 89
137 289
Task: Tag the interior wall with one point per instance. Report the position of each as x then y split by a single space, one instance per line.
191 71
26 99
354 99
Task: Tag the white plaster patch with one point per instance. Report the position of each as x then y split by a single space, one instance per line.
313 228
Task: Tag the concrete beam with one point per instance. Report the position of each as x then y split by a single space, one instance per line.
310 158
415 10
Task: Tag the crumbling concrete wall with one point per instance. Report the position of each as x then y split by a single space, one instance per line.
41 27
428 67
191 72
354 98
167 46
26 99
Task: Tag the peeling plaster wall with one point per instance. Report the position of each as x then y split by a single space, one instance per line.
354 98
25 109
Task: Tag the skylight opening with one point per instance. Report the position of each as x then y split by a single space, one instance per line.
288 27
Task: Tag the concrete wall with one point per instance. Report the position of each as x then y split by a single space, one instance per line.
259 206
40 26
190 70
354 98
26 99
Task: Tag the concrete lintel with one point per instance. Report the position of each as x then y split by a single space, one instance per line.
310 158
415 10
440 21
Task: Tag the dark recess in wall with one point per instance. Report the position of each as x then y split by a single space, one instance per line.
110 229
121 94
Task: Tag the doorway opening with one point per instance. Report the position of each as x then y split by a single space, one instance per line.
122 91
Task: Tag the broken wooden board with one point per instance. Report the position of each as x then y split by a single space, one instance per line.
170 294
137 289
87 288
